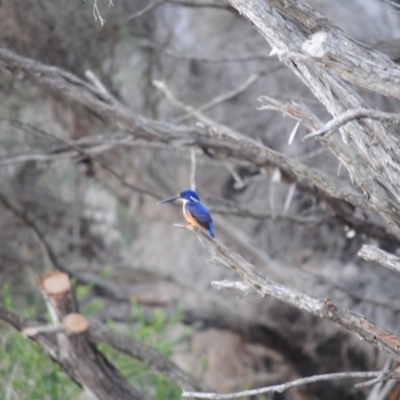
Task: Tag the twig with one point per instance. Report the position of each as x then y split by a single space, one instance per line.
379 256
289 385
36 330
168 53
193 168
239 183
351 293
100 87
351 115
75 146
184 3
231 94
240 211
293 133
145 10
289 197
96 14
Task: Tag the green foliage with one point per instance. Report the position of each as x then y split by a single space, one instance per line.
28 373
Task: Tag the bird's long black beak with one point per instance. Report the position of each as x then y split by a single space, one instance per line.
168 200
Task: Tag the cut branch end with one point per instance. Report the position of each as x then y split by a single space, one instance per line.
75 323
55 284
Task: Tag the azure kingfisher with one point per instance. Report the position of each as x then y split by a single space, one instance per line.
193 211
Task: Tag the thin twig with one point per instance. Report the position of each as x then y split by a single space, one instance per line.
79 150
351 115
231 94
289 385
240 211
193 168
195 4
149 7
379 256
148 44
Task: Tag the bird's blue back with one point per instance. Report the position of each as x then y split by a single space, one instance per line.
200 213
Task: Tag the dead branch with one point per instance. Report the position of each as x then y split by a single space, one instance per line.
289 385
184 3
231 94
351 115
325 309
355 62
76 353
100 333
228 144
379 256
378 160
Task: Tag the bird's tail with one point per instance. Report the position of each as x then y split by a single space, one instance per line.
211 229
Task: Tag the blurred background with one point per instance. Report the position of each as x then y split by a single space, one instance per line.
110 232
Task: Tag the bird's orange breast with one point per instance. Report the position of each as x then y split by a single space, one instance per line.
189 218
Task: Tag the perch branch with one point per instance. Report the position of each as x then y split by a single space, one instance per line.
325 309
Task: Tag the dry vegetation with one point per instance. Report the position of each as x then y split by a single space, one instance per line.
98 121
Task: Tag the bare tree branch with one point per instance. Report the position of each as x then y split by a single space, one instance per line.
378 161
355 62
99 333
184 3
325 309
289 385
351 115
149 44
90 368
231 94
379 256
228 144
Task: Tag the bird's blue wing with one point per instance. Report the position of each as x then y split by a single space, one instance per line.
200 213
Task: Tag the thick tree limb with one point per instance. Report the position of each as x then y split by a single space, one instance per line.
99 333
375 143
228 144
76 353
353 61
19 323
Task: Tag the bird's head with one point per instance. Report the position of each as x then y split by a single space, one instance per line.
184 195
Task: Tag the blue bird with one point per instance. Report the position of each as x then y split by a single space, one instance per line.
193 210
